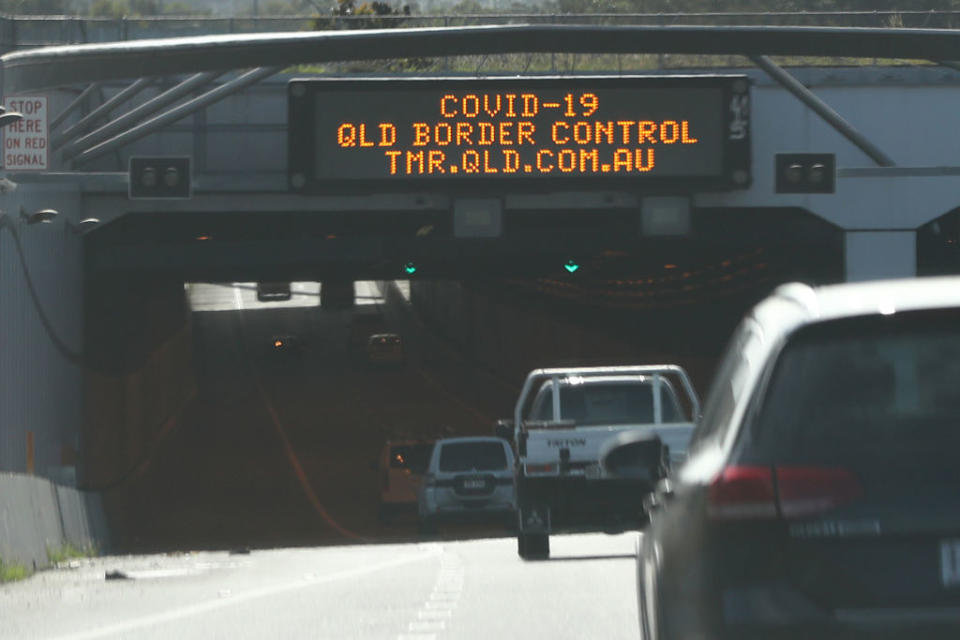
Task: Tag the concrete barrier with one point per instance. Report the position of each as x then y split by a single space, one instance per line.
38 517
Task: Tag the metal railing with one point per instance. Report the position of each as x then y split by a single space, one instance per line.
23 32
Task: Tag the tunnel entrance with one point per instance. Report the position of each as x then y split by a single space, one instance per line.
938 246
281 441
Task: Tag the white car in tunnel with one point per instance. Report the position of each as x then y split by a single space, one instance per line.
469 478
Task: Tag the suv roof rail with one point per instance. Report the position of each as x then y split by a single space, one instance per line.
801 294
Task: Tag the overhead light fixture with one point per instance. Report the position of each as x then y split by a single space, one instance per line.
9 117
40 216
85 225
477 218
665 216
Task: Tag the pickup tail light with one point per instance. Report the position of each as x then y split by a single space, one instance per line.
539 468
762 493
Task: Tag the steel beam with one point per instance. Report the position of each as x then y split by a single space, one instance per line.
177 113
48 67
89 121
132 117
73 106
823 110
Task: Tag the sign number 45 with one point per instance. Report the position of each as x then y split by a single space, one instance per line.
739 117
950 563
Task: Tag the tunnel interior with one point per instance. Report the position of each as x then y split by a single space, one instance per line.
203 435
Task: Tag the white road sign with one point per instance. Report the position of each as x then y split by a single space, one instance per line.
26 143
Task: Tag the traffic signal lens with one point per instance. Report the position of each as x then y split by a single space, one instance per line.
817 174
171 177
795 173
149 177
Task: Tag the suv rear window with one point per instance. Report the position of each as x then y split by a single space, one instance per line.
867 391
415 457
469 456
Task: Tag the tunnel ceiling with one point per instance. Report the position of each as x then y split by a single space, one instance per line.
569 246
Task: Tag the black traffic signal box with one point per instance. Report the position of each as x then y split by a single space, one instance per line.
160 177
806 172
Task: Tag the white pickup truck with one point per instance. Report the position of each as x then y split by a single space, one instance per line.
591 443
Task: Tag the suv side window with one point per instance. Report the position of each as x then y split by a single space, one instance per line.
728 386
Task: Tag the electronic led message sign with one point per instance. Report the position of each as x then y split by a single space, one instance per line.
677 131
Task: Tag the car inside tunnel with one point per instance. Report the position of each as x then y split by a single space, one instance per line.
224 410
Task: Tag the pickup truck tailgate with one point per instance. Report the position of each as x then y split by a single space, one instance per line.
544 445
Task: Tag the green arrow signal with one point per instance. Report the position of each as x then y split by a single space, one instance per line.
410 268
571 266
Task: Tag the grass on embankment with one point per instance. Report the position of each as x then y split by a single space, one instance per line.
12 572
69 552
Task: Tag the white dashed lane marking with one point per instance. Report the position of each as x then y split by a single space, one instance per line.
437 610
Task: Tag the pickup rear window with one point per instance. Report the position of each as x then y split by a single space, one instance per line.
607 403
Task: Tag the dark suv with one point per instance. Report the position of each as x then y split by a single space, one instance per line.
821 496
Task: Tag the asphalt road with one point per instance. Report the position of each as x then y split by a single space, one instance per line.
464 590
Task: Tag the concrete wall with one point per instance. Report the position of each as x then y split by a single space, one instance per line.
38 517
140 373
41 333
131 356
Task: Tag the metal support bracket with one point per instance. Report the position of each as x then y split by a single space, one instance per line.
822 109
88 121
137 114
74 105
176 113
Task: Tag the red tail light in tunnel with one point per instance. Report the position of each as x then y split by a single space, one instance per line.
755 492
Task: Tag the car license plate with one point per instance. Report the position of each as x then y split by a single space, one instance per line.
593 472
950 563
474 483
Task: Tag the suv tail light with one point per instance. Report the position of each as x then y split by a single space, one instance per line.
807 491
743 493
753 492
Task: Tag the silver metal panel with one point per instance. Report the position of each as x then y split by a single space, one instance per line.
873 255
